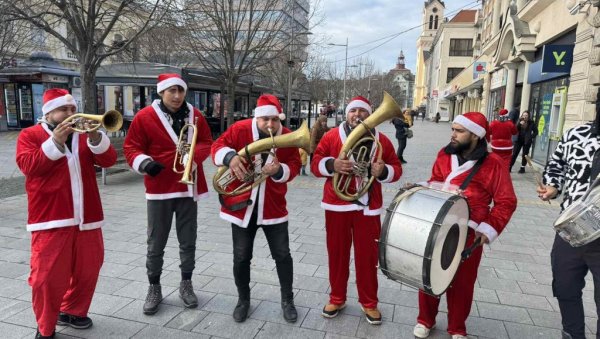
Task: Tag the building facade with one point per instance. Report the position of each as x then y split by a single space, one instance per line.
404 81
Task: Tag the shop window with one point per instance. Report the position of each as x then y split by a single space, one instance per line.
461 47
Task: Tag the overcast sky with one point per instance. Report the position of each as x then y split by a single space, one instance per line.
364 21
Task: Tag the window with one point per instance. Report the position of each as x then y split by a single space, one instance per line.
461 47
452 73
430 21
436 22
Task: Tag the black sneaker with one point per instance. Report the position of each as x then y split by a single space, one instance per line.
74 321
38 335
153 299
522 170
289 310
240 313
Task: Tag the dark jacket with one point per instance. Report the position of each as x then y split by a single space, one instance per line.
401 126
527 133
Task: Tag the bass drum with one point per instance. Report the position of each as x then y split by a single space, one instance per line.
422 237
579 224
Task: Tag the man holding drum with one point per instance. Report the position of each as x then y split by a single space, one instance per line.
572 168
467 152
356 222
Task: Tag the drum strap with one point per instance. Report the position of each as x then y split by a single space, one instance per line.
474 170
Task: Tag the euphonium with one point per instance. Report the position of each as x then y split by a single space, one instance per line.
362 161
184 154
224 177
111 121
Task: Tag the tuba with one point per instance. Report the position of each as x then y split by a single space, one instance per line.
224 177
111 121
355 145
184 154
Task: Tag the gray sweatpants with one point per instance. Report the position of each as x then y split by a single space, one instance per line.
160 217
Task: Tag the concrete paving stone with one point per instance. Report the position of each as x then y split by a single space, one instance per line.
304 269
486 327
157 332
311 299
322 272
108 327
269 311
138 273
503 312
119 235
173 278
546 318
108 285
498 263
541 259
514 249
263 276
498 284
108 304
342 324
138 290
535 289
225 304
310 283
12 270
118 257
315 259
133 311
223 286
542 278
534 267
514 275
266 292
222 258
17 256
24 318
393 296
405 314
486 272
13 288
283 331
223 326
590 324
530 331
11 331
524 300
219 270
10 307
187 319
485 295
115 270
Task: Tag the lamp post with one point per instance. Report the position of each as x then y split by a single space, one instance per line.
291 64
345 73
369 88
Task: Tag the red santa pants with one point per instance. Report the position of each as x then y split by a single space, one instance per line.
344 228
65 263
459 295
505 154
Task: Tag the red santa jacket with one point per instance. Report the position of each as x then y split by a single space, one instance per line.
271 198
492 183
501 133
61 187
151 136
329 148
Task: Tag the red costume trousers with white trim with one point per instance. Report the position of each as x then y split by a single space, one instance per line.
459 295
505 154
344 228
65 263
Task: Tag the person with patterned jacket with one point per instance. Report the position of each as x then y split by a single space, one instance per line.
150 147
353 223
572 168
64 213
264 206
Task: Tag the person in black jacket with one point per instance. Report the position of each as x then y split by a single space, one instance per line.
401 135
526 132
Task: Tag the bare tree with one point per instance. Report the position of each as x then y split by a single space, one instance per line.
16 38
85 27
233 38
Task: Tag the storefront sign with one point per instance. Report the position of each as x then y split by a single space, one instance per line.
498 79
55 78
479 68
557 58
434 93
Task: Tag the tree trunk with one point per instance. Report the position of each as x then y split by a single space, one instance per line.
222 108
231 84
88 89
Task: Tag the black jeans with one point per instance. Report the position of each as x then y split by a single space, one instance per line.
569 267
517 148
279 244
401 147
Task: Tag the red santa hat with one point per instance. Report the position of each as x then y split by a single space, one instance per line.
503 111
55 98
475 122
359 102
167 80
268 105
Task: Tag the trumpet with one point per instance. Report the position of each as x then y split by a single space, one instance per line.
224 177
355 145
184 154
111 121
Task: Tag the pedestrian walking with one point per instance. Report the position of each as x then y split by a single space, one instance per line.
526 133
501 132
304 160
437 117
64 213
150 148
402 130
316 133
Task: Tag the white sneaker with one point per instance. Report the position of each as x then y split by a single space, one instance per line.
421 331
458 336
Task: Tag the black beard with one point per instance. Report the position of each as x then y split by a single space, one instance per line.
457 148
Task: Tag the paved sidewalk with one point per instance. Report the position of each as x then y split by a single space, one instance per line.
513 297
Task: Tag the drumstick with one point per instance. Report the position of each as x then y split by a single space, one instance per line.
536 175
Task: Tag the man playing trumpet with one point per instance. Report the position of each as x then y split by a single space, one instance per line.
264 206
353 222
64 213
150 146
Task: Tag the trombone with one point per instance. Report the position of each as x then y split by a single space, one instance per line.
184 154
111 121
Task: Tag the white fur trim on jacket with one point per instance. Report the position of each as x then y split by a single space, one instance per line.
161 86
502 148
286 174
488 230
220 155
137 161
102 146
390 175
470 125
323 169
51 151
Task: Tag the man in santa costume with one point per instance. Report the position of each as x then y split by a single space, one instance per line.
356 222
64 213
150 148
467 151
262 207
501 133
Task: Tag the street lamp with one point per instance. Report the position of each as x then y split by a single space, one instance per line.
345 72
